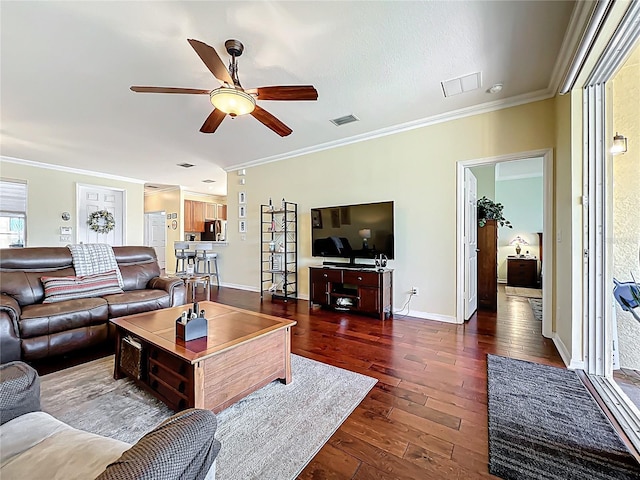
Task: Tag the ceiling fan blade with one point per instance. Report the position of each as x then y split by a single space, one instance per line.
197 91
270 121
212 60
293 92
213 121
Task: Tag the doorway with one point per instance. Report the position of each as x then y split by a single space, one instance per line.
155 235
92 198
465 278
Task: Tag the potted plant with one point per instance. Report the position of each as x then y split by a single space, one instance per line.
489 210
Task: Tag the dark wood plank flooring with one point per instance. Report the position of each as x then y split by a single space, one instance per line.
427 416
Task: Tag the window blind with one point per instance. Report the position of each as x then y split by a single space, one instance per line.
13 196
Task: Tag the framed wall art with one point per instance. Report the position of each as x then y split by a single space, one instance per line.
316 218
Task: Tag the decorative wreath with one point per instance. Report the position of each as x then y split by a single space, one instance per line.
101 221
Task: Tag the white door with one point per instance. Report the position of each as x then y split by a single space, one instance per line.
91 199
155 234
470 244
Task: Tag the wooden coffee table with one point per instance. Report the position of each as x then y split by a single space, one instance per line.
243 352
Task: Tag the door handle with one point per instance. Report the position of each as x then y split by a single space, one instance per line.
477 249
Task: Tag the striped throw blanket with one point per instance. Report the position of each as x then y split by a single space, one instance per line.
92 258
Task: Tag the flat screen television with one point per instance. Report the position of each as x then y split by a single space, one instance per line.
352 232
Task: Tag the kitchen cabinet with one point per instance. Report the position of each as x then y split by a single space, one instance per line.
194 216
215 211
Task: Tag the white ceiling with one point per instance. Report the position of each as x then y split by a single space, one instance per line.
67 67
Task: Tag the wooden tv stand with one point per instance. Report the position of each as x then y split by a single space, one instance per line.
368 291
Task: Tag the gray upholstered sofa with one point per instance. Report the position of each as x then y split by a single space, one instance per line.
32 330
35 445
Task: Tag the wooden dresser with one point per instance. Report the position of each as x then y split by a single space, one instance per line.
522 272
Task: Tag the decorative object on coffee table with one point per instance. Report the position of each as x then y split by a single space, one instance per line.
191 324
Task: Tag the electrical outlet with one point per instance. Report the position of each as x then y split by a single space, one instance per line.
414 291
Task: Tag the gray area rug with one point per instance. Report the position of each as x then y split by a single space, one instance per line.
271 434
536 306
544 424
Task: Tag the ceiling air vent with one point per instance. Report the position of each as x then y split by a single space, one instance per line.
463 84
344 120
208 180
186 165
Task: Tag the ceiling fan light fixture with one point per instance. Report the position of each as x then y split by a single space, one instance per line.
232 101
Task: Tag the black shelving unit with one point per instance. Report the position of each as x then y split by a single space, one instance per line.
279 250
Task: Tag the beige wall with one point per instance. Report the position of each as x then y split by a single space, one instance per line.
51 192
567 278
626 200
486 177
416 169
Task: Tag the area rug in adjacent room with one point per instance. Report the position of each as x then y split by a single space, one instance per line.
544 424
271 434
523 292
536 306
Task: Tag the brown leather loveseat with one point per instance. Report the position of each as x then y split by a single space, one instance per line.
32 330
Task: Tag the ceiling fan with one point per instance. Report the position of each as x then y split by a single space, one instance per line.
230 98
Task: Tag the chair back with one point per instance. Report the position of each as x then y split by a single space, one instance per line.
181 245
205 250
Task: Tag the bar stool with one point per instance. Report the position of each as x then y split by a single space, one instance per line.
183 255
205 253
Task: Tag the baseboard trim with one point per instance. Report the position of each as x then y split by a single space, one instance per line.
240 287
255 289
429 316
570 363
412 313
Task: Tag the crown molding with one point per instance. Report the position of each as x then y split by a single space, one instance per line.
506 178
572 37
404 127
152 191
77 171
199 194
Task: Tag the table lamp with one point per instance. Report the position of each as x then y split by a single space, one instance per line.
517 241
365 233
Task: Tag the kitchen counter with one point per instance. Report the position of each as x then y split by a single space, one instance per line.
194 245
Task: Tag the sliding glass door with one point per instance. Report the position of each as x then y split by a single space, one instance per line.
611 208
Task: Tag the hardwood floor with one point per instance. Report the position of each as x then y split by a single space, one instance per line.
427 416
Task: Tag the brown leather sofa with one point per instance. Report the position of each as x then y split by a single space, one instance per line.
32 330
